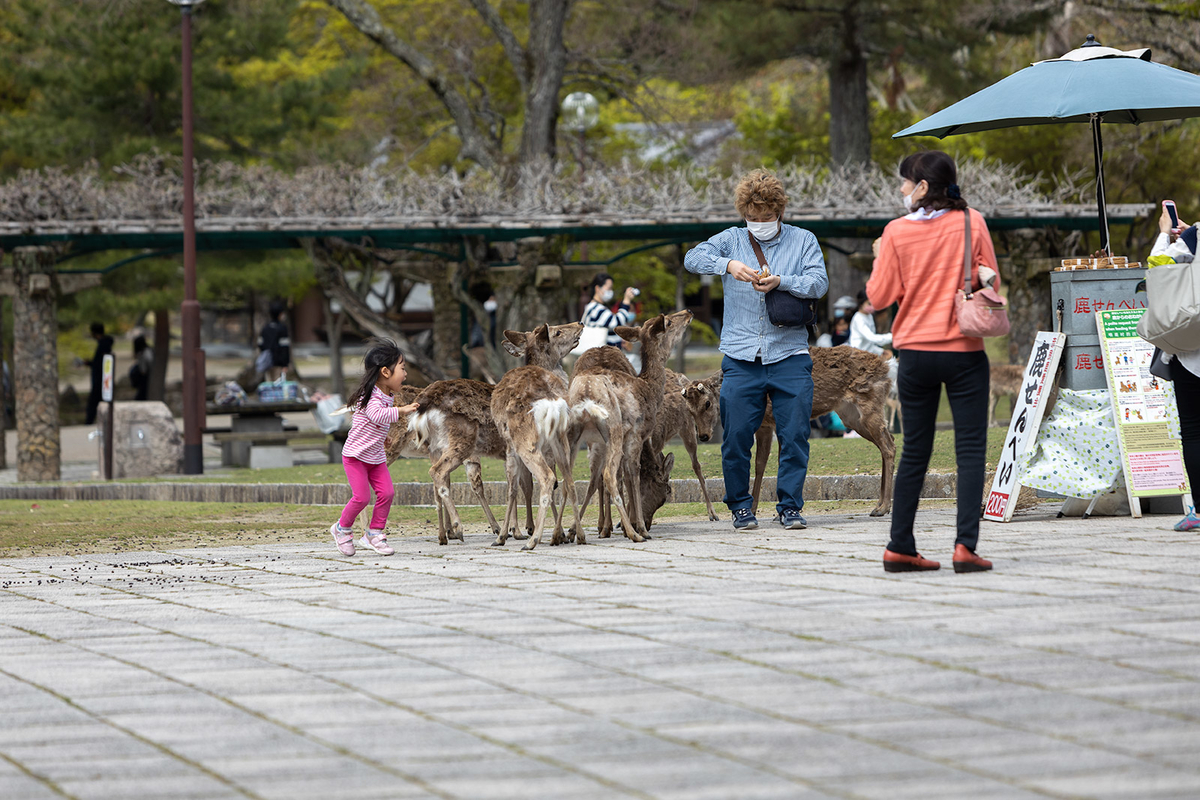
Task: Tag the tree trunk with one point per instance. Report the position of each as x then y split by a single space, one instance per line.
549 61
162 355
333 327
35 365
447 324
849 104
3 393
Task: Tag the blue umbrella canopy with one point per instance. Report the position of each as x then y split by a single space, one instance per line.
1093 84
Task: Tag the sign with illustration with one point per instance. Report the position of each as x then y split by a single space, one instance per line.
1028 408
106 379
1144 408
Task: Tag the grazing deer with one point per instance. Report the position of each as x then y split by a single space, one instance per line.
656 468
1006 381
618 412
531 413
855 384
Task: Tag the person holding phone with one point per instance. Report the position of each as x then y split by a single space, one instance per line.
763 360
1178 246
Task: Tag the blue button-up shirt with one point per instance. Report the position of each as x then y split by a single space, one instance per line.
794 256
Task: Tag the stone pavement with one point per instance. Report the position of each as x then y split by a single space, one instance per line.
701 664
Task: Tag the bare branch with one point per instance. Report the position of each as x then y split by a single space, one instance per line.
512 48
363 16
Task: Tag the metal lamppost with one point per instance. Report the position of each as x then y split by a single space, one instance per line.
193 369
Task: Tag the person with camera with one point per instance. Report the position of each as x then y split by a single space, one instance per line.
597 314
919 263
763 360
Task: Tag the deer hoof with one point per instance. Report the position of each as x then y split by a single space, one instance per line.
637 537
529 545
518 535
879 512
498 543
712 517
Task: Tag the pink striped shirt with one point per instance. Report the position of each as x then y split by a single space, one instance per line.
369 428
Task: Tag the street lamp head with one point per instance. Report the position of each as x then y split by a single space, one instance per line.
185 4
580 111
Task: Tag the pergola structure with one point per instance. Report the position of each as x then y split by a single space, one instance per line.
49 217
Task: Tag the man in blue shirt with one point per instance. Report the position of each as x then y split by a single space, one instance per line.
761 359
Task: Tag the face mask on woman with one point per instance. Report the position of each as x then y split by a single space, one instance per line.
763 230
607 296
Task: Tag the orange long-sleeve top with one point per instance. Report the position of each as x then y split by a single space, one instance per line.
920 266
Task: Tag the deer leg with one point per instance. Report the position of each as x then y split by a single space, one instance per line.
511 472
543 474
475 476
762 453
688 435
633 484
443 465
992 401
568 487
527 490
612 480
865 416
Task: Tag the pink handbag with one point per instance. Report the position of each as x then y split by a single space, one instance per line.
982 313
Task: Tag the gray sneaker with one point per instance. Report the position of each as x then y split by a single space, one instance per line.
743 520
790 518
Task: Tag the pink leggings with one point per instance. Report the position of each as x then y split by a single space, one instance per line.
363 477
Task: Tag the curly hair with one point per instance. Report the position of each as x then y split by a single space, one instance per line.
759 194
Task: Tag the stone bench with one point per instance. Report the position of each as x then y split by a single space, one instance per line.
269 448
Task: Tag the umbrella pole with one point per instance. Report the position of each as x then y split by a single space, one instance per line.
1098 151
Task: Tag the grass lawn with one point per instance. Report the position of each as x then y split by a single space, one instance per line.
834 456
56 528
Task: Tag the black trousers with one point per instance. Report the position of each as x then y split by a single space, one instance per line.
919 383
1187 398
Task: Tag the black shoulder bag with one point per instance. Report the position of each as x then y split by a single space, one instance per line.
784 309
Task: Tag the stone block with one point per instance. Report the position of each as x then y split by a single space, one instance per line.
267 456
146 441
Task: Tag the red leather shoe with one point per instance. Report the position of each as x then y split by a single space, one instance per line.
898 562
966 561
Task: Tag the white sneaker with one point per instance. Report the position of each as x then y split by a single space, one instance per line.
851 435
377 541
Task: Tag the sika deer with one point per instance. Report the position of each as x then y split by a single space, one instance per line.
618 412
532 415
455 425
402 442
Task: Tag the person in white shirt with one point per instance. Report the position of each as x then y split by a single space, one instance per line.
862 328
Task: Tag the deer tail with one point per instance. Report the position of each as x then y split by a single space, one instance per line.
551 418
422 424
588 411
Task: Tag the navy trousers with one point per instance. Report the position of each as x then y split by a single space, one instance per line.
745 387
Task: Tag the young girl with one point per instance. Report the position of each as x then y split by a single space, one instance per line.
363 455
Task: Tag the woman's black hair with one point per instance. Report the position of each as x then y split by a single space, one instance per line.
600 279
938 171
382 353
862 297
139 344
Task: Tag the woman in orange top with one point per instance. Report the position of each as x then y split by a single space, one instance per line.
919 264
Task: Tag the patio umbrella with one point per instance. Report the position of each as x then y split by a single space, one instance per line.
1092 84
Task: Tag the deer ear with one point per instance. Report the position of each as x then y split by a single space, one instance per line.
627 333
668 463
516 337
542 332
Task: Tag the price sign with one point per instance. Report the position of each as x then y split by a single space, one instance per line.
1145 411
1027 414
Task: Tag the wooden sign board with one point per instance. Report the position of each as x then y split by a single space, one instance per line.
1027 414
1144 410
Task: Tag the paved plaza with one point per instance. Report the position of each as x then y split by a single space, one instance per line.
702 664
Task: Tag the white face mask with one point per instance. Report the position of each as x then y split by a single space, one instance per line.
489 306
764 230
908 203
607 296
